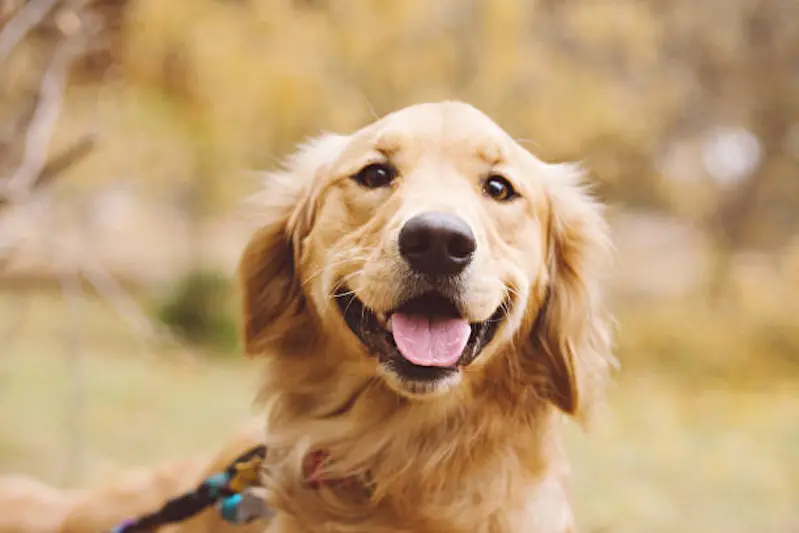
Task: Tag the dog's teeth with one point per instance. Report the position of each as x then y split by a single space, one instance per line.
388 324
381 318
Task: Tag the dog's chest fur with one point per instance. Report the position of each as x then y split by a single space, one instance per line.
422 472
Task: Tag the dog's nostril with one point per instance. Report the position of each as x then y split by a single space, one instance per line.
462 246
414 242
437 244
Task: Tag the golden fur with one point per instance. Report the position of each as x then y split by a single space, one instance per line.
480 453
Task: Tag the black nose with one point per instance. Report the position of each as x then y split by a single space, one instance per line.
437 244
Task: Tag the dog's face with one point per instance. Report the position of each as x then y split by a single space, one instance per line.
431 243
429 236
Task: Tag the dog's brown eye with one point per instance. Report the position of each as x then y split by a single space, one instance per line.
375 175
499 188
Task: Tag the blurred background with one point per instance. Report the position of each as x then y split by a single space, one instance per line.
131 131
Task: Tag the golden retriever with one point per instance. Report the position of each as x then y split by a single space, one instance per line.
424 294
28 506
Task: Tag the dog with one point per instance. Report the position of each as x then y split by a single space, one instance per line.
425 297
29 506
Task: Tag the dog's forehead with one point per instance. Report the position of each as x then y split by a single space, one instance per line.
441 126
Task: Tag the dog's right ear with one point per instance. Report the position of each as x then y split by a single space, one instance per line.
275 313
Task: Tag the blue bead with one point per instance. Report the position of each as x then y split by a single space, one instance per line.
229 508
217 481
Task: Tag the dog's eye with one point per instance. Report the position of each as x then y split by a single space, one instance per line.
375 175
498 188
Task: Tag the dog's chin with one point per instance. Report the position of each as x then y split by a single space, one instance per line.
415 379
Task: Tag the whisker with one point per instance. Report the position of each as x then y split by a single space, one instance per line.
506 301
505 306
334 263
337 295
363 316
343 281
511 290
359 254
522 141
370 107
346 309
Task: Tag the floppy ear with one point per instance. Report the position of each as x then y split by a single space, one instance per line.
571 335
275 312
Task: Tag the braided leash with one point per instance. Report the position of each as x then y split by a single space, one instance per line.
234 492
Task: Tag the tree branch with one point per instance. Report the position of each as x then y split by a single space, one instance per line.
15 30
42 124
57 165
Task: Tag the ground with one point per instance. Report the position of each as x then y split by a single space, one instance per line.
668 455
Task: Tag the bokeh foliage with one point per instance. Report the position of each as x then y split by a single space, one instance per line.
182 99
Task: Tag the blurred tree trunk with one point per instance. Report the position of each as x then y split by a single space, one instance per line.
469 32
767 81
67 35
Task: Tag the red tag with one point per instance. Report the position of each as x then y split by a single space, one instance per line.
312 466
312 470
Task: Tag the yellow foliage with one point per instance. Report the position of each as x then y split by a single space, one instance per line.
257 79
205 89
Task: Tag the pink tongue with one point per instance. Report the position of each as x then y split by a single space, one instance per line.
430 341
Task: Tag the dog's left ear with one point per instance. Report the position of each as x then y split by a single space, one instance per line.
571 335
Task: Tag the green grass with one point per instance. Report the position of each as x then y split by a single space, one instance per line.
670 454
686 457
141 406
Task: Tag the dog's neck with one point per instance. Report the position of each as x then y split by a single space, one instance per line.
417 453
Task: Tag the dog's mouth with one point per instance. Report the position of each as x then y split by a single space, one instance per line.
424 339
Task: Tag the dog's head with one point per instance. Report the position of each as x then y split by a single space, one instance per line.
433 245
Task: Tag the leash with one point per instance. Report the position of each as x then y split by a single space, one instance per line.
234 492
